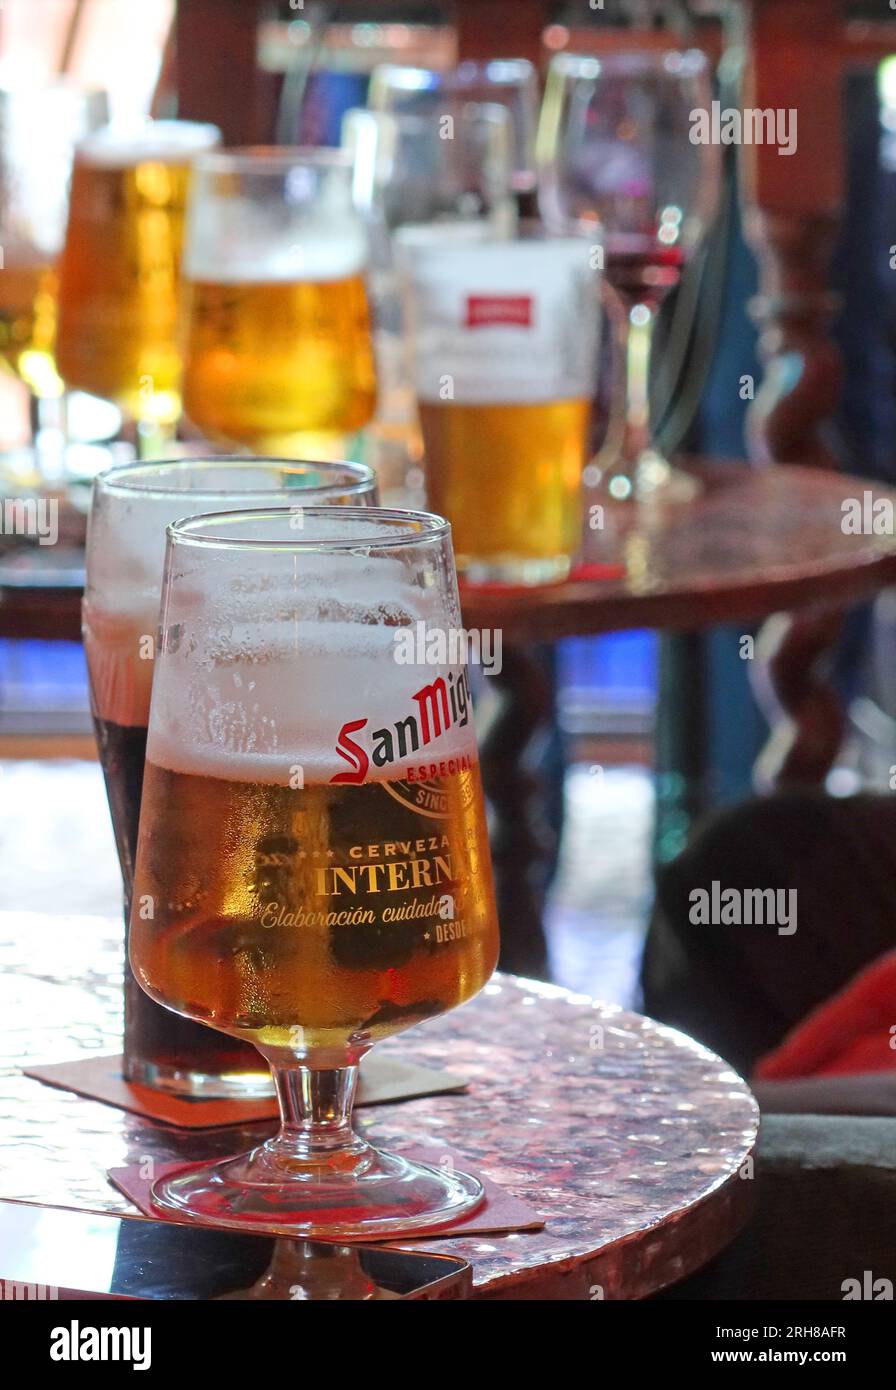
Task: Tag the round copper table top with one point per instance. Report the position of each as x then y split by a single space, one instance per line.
630 1139
755 541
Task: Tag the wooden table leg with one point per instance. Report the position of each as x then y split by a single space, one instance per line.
522 841
680 744
806 713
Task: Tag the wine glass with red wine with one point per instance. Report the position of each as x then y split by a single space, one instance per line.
617 162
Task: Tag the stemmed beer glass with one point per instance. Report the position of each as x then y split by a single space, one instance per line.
617 162
432 96
313 870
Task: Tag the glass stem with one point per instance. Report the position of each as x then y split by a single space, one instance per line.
49 435
315 1111
153 439
638 333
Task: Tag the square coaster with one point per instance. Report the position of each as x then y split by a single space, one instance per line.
383 1079
499 1213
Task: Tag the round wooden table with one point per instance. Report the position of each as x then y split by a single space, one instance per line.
633 1142
755 541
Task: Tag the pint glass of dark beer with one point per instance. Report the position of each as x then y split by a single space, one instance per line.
313 870
125 553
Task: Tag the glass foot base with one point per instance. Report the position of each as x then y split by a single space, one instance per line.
648 478
195 1085
655 477
514 571
362 1194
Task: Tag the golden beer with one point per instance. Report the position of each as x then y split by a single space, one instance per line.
41 123
505 341
270 360
28 320
120 270
508 478
322 917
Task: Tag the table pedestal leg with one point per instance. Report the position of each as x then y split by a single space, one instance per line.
521 840
681 743
807 716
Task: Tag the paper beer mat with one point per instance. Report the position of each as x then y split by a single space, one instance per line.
584 572
500 1212
383 1079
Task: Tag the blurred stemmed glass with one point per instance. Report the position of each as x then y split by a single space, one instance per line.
278 352
39 127
432 96
616 161
417 180
411 177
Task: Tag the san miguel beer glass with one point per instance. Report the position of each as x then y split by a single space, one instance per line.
278 354
504 352
125 555
119 276
313 869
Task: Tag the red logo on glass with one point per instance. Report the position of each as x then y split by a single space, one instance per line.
491 310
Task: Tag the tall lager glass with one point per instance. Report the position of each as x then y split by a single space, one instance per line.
119 276
313 870
40 125
125 552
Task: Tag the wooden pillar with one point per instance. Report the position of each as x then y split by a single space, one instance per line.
216 69
791 207
500 29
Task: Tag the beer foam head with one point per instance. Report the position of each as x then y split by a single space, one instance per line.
283 216
311 662
255 259
122 146
131 508
508 322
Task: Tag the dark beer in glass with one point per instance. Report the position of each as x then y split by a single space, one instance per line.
125 554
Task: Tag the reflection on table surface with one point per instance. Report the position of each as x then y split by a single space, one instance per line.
609 1125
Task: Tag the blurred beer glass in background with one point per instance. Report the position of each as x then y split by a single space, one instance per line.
125 554
430 96
415 184
410 177
278 351
313 869
504 340
119 292
39 127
